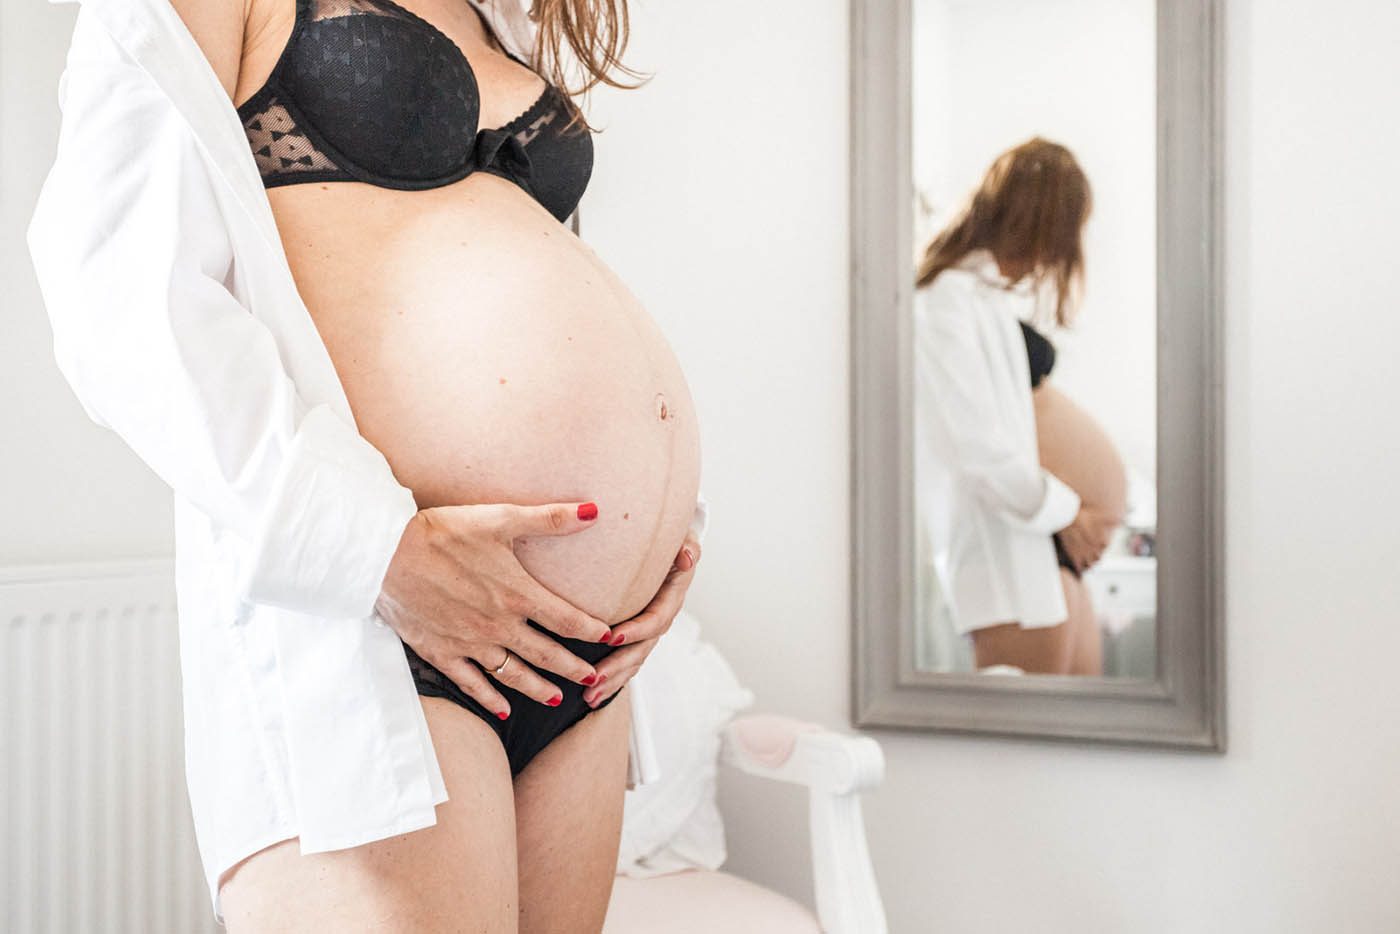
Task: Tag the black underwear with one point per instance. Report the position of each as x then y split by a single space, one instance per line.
531 725
1062 556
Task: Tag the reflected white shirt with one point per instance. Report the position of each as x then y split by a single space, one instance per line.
988 506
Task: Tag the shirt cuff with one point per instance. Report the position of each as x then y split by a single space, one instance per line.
1058 508
700 519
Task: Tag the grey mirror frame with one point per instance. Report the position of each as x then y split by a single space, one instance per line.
1184 706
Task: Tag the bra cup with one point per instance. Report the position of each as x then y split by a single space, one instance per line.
562 169
393 97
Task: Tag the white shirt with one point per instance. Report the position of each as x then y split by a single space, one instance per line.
987 506
178 325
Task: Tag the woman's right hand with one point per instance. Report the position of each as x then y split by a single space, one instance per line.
455 591
1087 537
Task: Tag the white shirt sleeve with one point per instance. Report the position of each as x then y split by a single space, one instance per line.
132 258
700 520
958 391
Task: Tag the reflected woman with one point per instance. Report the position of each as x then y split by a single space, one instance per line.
1019 489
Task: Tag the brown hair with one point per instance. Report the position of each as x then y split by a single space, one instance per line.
592 34
1029 211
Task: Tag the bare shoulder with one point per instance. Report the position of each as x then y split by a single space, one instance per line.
218 27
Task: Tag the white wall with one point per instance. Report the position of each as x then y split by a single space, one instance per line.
69 490
720 195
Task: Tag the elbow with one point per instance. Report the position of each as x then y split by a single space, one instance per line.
1021 506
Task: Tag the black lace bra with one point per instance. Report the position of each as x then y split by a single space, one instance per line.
366 90
1040 353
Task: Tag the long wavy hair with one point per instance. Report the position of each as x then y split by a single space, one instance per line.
1029 211
580 45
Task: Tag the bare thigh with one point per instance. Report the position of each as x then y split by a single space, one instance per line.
1074 647
457 875
1087 655
568 810
1041 650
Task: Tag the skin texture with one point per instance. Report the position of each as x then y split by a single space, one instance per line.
1087 536
1074 647
539 393
540 839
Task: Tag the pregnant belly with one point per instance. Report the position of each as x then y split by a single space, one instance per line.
494 358
1074 448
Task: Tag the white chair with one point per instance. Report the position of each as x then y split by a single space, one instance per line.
834 768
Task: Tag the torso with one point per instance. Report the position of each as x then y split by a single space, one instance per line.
488 352
1071 444
1076 449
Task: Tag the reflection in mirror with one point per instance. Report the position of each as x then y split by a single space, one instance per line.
1034 161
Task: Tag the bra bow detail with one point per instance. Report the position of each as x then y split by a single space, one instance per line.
514 157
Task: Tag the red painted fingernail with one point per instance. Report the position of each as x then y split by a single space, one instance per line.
554 701
501 714
605 636
588 511
602 678
590 679
620 638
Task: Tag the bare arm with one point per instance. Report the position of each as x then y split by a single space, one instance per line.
218 29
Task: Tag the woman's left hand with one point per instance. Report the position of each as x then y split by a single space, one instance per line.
638 635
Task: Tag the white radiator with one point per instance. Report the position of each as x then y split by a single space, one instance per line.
95 827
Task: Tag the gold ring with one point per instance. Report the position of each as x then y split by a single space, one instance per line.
503 664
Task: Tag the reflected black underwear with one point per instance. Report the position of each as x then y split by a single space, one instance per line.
531 725
1063 556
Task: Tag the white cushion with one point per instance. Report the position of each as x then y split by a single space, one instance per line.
702 902
674 823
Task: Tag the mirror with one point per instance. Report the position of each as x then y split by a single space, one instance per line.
1025 159
1036 441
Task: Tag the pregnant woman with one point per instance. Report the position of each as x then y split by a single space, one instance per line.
1020 494
420 162
493 358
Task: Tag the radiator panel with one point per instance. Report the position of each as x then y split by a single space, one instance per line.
96 833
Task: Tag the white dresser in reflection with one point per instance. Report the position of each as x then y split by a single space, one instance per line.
1124 591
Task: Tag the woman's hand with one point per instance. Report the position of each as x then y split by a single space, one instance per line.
456 594
1086 538
638 635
